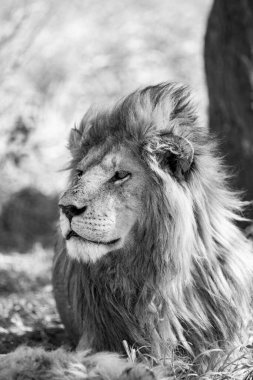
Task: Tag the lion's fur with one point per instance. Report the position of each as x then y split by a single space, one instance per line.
187 279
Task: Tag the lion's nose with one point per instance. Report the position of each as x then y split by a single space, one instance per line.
71 211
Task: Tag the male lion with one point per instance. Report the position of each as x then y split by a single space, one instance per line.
149 251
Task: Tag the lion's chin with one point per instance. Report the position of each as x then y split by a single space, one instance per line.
83 250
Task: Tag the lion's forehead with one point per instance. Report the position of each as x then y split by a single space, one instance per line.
96 156
101 163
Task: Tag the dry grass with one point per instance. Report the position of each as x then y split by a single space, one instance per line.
234 365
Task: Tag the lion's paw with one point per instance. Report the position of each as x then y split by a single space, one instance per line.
138 372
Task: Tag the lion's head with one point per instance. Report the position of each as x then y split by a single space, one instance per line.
115 169
150 219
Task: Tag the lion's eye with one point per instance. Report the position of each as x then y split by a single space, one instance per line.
79 173
120 176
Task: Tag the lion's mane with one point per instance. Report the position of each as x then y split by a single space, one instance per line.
187 281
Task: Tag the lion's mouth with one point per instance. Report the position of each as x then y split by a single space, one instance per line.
74 234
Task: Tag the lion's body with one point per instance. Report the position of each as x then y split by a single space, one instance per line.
149 250
185 277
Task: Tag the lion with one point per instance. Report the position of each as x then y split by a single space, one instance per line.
150 251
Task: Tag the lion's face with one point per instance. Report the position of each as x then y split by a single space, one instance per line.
103 203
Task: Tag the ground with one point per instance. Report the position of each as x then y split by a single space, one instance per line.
27 309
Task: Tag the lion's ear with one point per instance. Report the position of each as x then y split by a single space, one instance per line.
75 140
175 154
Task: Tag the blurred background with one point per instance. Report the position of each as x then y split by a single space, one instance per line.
57 58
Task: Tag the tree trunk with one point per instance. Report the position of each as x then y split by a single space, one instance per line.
229 72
